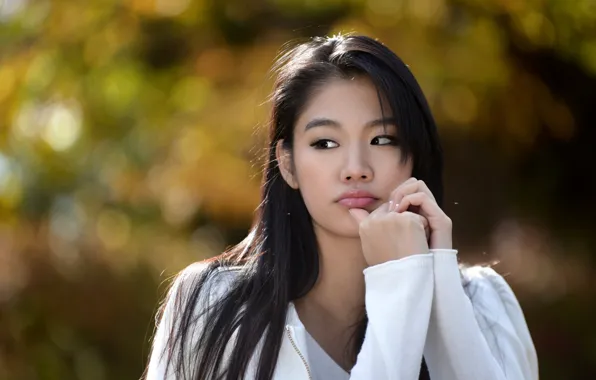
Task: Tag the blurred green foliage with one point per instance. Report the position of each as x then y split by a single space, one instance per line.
128 150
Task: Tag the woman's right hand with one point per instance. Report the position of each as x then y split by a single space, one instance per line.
388 235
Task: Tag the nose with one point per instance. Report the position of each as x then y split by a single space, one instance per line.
357 167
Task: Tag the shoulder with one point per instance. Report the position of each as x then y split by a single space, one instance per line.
201 281
497 310
487 289
193 294
208 273
182 314
194 291
490 294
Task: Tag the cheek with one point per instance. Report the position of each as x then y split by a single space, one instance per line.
391 171
399 173
314 176
318 184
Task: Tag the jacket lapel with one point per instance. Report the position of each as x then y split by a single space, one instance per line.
290 365
292 360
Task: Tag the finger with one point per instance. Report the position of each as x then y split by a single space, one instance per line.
428 207
410 187
426 225
422 186
382 209
403 189
409 180
407 188
423 221
405 183
358 214
391 206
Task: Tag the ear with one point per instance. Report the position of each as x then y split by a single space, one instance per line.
284 162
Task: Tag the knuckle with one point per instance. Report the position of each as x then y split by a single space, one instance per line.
414 221
410 198
395 218
408 219
392 216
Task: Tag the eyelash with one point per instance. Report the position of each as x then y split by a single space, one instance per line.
393 141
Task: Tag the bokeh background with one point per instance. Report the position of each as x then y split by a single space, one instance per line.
131 141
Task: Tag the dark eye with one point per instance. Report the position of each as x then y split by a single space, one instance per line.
384 140
324 144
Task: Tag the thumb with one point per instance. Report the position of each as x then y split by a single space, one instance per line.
358 214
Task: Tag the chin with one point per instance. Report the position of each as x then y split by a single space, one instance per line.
340 227
348 230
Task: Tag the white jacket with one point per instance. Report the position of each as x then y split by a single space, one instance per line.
416 306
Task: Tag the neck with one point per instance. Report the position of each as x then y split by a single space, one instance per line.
338 295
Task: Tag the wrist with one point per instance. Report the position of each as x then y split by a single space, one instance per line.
441 240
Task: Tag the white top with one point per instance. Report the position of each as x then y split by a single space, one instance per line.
322 366
467 324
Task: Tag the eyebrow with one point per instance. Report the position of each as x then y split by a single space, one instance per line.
325 122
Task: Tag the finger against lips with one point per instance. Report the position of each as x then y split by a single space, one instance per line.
358 214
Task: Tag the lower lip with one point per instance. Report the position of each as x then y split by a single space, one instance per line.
357 202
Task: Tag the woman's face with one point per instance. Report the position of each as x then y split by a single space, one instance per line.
340 145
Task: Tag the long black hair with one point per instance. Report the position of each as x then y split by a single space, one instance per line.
278 261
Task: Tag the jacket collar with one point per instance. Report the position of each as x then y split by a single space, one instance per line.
292 318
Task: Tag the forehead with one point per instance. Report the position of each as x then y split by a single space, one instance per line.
353 101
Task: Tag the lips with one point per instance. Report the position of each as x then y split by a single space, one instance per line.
357 199
357 202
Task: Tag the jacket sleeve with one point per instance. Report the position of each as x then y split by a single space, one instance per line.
477 333
398 301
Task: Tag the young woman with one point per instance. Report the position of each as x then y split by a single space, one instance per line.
348 271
